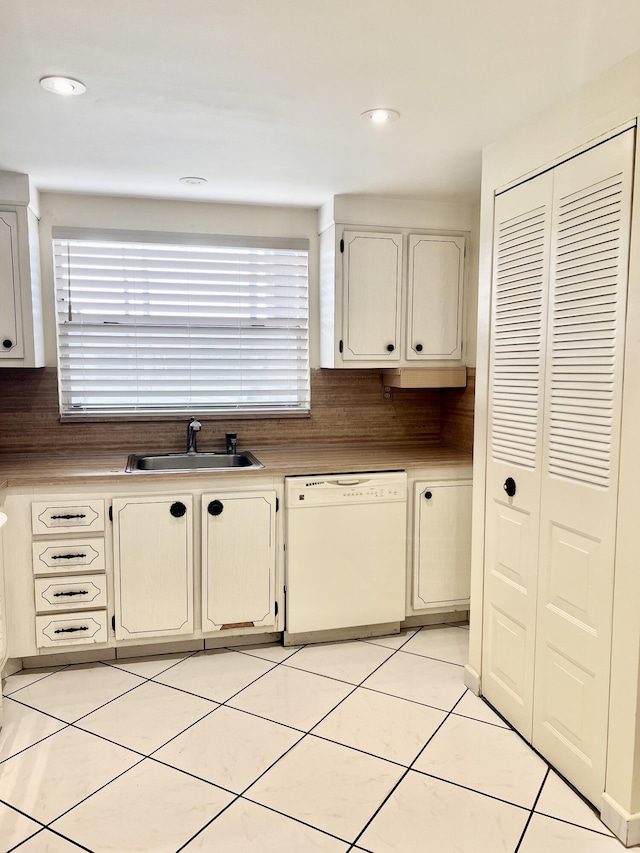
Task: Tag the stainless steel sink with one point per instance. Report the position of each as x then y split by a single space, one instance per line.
192 461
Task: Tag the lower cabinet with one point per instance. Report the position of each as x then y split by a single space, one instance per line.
91 568
441 545
153 566
238 560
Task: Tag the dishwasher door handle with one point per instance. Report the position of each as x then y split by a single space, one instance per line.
349 482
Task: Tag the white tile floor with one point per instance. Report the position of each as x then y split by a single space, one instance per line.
357 746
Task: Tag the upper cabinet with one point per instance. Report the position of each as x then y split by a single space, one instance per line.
21 335
390 297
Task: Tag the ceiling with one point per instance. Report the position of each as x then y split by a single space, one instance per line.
263 97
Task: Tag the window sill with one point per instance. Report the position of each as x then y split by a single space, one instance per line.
180 416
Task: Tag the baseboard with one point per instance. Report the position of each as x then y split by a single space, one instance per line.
171 647
450 616
471 679
623 824
221 641
64 658
335 634
11 666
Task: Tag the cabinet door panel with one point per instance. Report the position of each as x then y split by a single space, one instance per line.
153 566
442 543
435 290
10 308
372 296
238 560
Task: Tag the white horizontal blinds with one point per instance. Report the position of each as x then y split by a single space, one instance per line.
588 299
161 327
520 276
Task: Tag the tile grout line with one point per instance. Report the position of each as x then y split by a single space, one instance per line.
93 793
299 741
76 844
46 675
304 734
145 679
406 773
431 657
532 810
218 705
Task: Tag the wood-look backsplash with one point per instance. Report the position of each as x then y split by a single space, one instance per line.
456 426
346 407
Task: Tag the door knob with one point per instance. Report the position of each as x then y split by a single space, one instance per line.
390 347
177 509
215 508
7 344
418 347
428 496
510 486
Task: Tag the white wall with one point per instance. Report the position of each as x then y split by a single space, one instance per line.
86 211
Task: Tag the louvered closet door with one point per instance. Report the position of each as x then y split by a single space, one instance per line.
583 385
520 284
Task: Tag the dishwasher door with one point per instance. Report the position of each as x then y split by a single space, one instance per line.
345 550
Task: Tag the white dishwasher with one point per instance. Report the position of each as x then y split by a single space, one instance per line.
345 550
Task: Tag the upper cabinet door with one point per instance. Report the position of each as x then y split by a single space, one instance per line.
10 321
372 296
435 290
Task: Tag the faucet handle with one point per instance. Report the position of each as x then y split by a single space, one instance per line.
195 425
232 441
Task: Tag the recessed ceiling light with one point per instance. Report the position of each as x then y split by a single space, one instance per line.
63 85
193 181
382 115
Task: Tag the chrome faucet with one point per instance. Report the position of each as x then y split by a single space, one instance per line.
232 440
192 434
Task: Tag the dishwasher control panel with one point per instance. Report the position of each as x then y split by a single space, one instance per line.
345 489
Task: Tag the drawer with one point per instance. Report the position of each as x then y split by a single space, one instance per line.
79 592
70 516
66 630
56 556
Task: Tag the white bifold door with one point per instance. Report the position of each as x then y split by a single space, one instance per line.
557 346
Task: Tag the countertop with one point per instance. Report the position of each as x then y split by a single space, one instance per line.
51 469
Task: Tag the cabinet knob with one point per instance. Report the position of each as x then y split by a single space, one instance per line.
215 507
177 509
7 344
390 347
428 496
419 347
510 486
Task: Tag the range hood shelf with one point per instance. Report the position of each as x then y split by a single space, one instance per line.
425 377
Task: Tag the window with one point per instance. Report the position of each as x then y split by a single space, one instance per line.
181 324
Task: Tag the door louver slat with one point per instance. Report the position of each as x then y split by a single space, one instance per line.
583 351
517 337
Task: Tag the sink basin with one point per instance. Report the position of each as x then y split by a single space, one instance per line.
192 462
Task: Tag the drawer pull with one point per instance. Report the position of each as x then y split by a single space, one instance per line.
69 515
71 592
70 630
67 556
